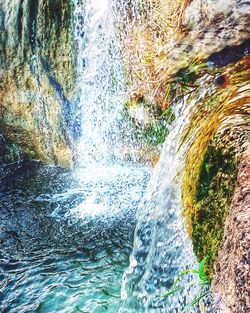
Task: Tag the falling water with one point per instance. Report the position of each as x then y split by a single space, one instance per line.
162 249
101 82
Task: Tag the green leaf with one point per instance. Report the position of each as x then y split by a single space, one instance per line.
172 291
194 302
168 115
182 274
203 283
201 270
169 90
156 133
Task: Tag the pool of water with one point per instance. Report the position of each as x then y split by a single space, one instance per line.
65 237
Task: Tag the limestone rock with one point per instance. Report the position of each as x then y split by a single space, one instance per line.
37 78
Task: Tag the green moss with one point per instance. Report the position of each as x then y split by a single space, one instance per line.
155 134
185 76
213 198
9 152
12 154
154 129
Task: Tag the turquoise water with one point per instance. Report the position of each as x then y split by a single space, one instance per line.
54 259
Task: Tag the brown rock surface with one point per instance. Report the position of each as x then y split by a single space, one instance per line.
231 283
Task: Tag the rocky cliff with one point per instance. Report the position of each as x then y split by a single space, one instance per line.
37 80
232 274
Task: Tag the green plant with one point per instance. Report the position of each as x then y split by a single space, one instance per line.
155 133
203 283
168 116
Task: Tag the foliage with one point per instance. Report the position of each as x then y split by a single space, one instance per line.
203 283
154 126
168 116
155 134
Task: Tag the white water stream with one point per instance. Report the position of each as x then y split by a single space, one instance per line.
162 249
101 82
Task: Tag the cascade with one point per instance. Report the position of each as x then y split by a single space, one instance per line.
101 83
162 249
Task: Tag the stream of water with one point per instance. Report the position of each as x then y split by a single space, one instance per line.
162 249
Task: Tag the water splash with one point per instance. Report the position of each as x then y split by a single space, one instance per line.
103 193
108 185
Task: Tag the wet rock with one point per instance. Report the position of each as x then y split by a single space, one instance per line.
37 78
222 121
9 152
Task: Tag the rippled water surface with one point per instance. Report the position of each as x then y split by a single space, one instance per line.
65 239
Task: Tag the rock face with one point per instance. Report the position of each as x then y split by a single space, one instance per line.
165 36
232 275
37 79
215 187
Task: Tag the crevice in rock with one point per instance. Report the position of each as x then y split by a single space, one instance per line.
20 21
229 54
33 12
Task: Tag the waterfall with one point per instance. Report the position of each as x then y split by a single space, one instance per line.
162 249
109 186
101 83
